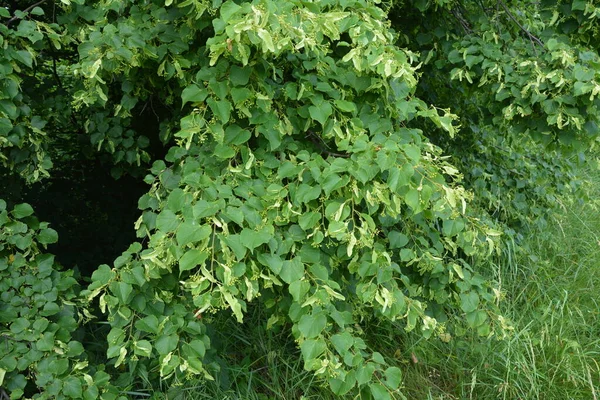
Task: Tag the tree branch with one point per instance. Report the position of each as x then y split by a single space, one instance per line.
31 7
462 21
316 139
532 37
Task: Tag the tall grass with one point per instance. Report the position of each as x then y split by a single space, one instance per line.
552 297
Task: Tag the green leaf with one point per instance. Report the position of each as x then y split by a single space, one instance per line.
306 193
412 152
412 200
169 180
476 318
364 373
252 239
148 324
40 325
236 214
274 262
311 325
224 152
337 229
298 289
452 227
379 392
236 135
234 242
50 308
23 57
579 88
346 106
142 348
340 387
378 358
332 182
292 270
221 109
166 343
37 11
239 76
176 200
393 377
5 14
19 325
312 348
193 94
320 113
228 9
203 208
191 232
72 388
309 220
167 221
5 126
578 5
47 236
191 259
22 211
397 240
399 177
46 343
342 342
122 290
23 241
74 349
469 301
102 275
197 348
583 74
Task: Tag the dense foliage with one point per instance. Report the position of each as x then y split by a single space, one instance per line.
337 163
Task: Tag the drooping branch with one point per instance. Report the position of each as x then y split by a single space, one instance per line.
532 37
31 7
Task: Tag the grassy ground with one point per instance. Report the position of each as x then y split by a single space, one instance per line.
553 300
552 297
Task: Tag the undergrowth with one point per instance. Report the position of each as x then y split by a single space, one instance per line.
551 296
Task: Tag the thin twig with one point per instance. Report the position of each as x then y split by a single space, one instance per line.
485 10
463 22
3 394
31 7
316 139
54 67
531 36
8 337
